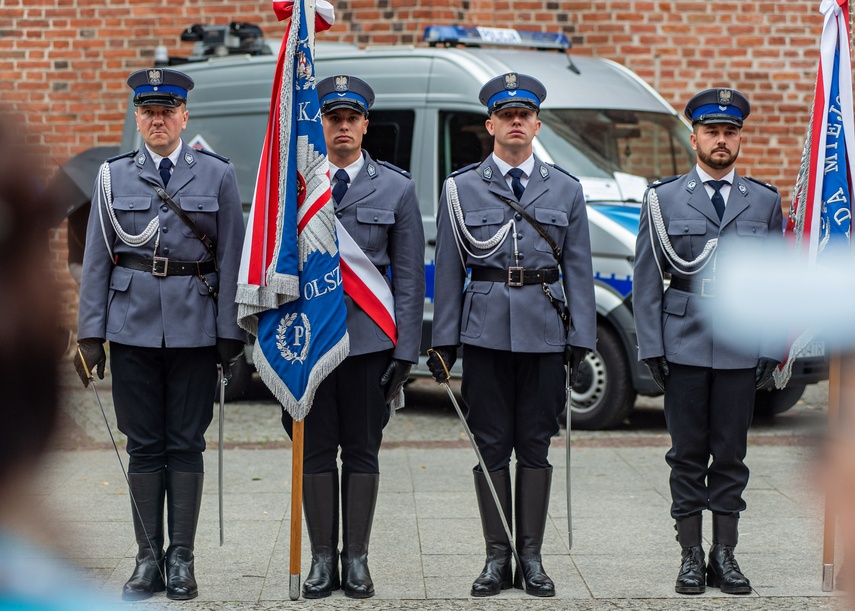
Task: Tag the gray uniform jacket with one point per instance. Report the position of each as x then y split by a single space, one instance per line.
492 314
381 213
678 324
138 309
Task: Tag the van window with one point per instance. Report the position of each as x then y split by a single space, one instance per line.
390 136
463 140
597 143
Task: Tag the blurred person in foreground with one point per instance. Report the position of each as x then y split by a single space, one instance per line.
690 226
31 576
160 270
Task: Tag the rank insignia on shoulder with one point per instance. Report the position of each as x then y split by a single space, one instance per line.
487 172
760 182
471 166
391 166
562 170
663 181
214 155
123 156
372 171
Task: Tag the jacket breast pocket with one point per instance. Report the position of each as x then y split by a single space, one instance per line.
483 224
133 212
752 228
688 236
475 309
118 299
375 224
554 222
202 210
674 309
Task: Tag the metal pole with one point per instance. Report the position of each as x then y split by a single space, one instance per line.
568 410
296 507
222 383
481 462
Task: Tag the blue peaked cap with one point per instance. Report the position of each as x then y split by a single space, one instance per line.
718 106
345 91
512 90
160 87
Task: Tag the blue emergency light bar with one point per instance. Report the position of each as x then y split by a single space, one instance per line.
451 35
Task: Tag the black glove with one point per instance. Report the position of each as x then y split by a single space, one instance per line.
228 351
765 369
659 369
573 356
91 352
436 357
392 380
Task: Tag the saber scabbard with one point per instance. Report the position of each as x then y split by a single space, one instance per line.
222 384
481 462
569 411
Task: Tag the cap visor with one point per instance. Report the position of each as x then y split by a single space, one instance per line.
343 103
515 104
169 102
710 119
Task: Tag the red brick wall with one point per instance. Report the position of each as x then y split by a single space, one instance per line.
64 62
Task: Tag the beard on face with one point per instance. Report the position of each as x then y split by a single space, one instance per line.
718 163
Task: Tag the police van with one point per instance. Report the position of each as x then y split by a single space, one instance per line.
600 122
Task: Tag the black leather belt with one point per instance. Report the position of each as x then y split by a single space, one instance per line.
162 267
515 276
702 286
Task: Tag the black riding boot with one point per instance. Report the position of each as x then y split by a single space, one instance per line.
183 500
359 497
496 575
723 571
320 500
531 501
147 489
690 580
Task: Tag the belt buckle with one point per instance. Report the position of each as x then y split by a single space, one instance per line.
707 292
159 266
515 276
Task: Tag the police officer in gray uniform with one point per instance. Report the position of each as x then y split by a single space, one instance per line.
376 204
689 225
520 224
162 293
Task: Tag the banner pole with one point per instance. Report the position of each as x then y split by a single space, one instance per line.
296 507
828 529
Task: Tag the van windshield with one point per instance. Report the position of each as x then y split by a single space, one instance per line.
598 143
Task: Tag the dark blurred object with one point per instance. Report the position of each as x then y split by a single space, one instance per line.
71 186
29 344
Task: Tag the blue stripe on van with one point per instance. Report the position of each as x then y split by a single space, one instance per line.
625 216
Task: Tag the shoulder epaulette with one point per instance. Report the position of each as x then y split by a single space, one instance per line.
395 168
760 182
471 166
213 154
122 156
563 171
663 181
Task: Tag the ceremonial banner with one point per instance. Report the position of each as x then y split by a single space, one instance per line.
820 218
290 293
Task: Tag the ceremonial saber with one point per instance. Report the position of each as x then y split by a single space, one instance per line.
121 464
569 504
296 507
222 384
481 462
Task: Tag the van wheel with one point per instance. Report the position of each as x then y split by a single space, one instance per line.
239 383
603 395
768 403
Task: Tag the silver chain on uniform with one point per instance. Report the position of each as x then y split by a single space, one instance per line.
459 226
105 199
683 266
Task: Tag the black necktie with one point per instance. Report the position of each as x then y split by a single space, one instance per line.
516 183
340 187
165 166
717 199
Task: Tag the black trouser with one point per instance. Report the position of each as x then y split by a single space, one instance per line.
513 401
349 411
708 412
164 400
